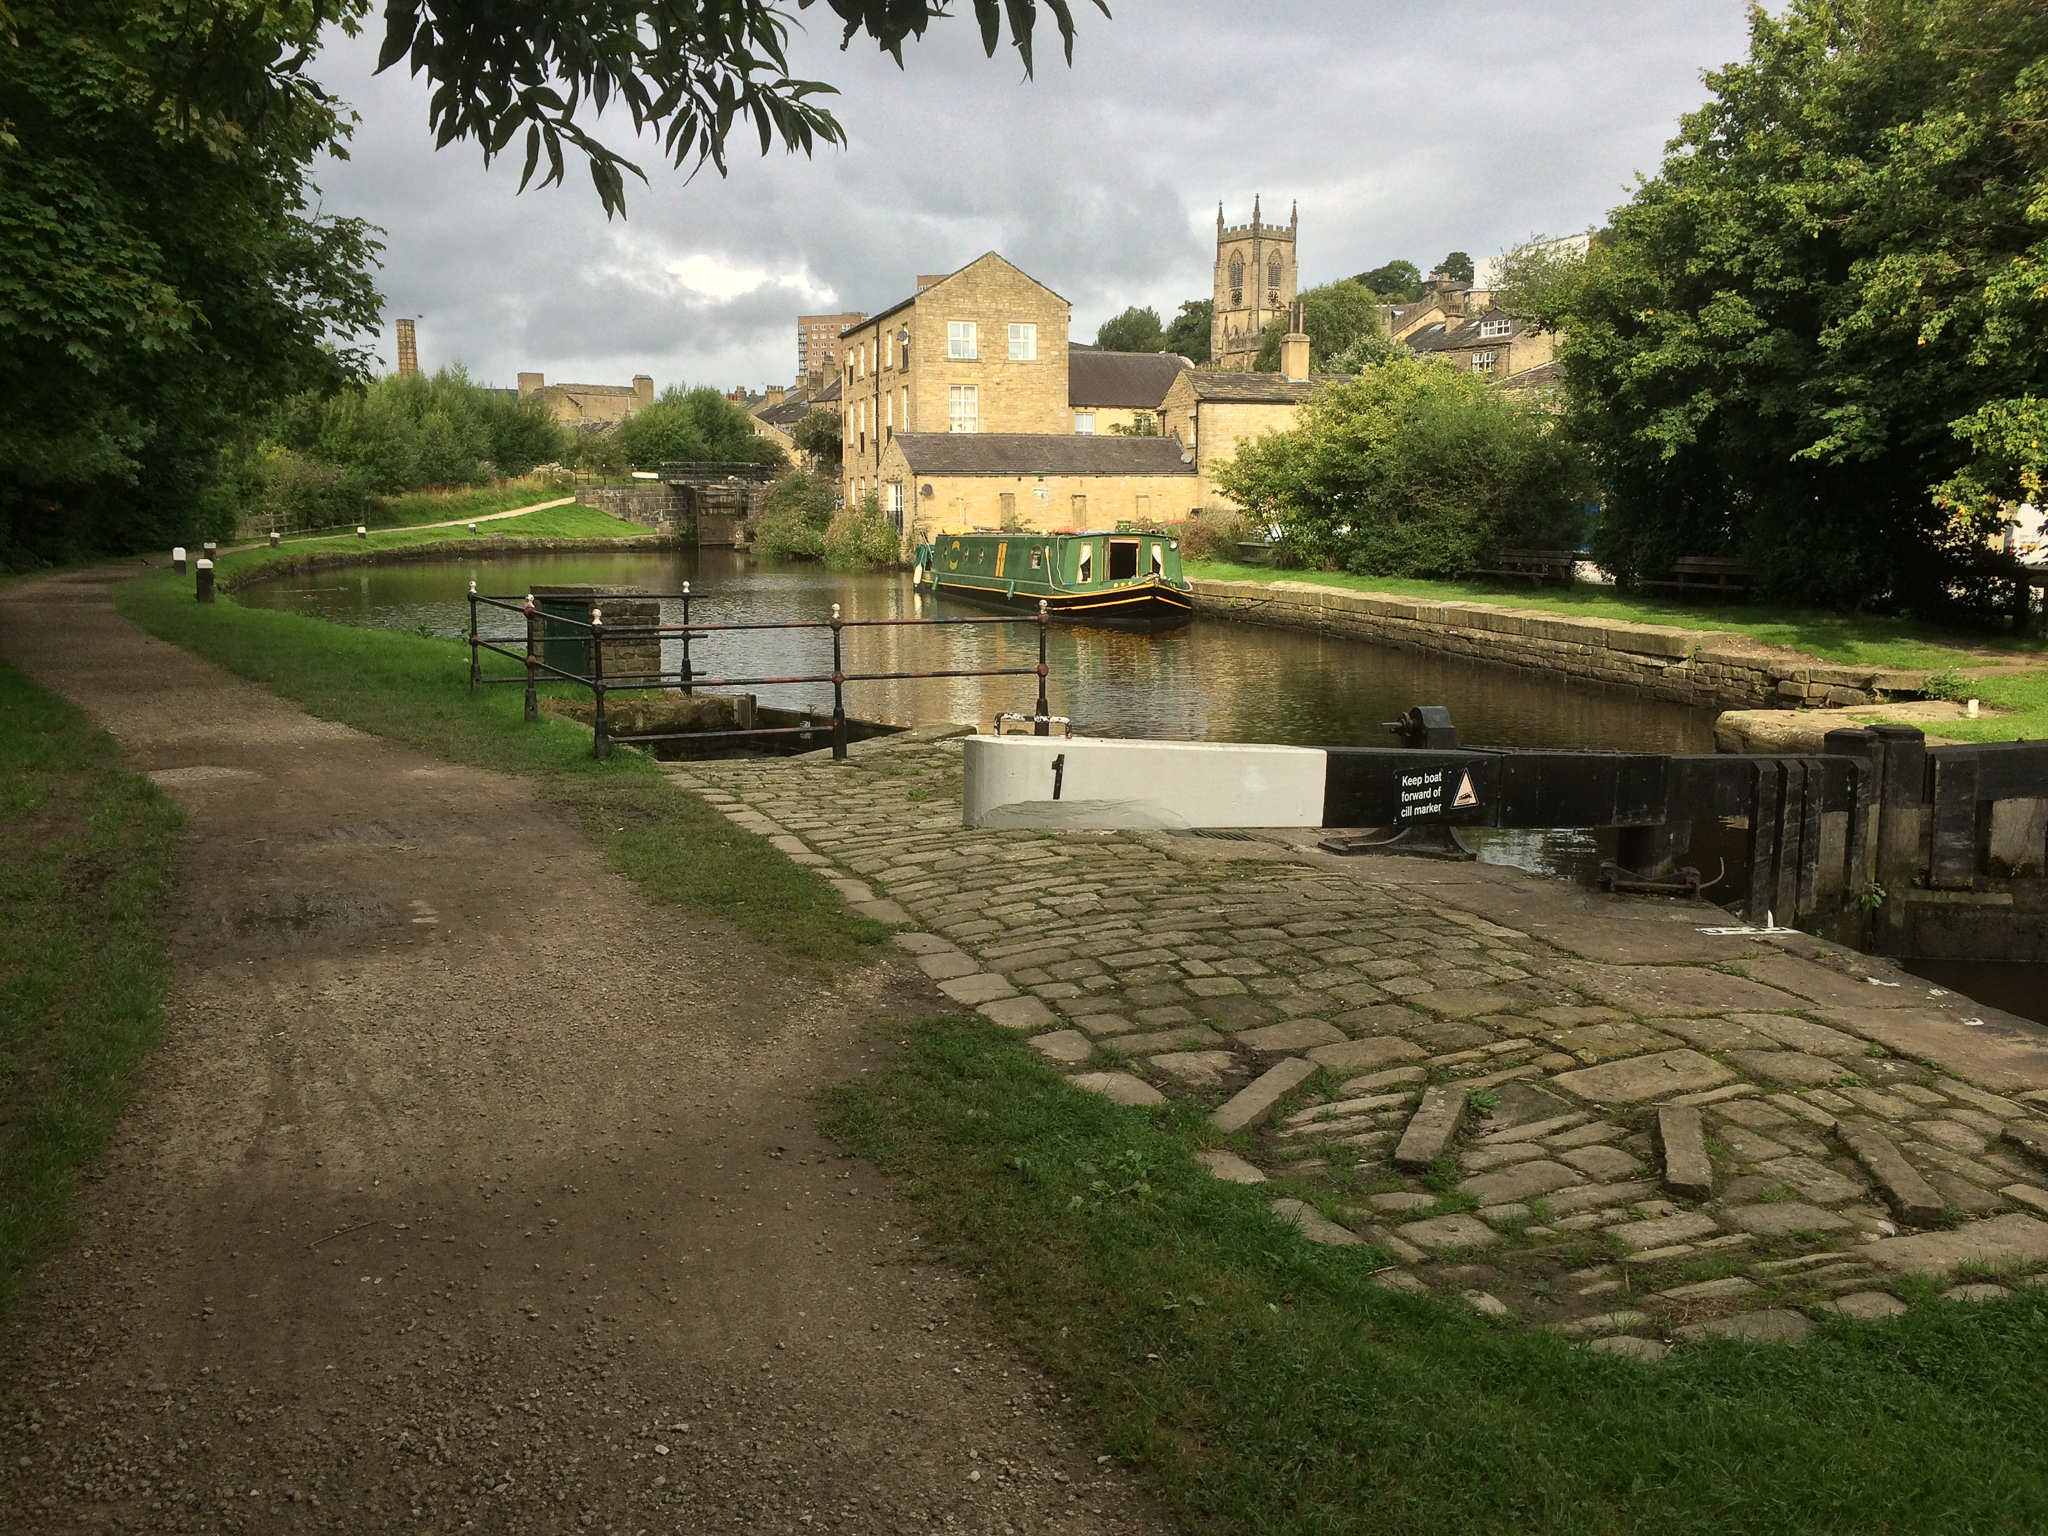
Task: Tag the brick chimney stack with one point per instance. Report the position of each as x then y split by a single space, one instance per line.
408 350
1294 345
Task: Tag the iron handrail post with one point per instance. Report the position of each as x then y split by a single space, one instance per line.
838 692
1044 725
475 662
601 741
688 689
532 664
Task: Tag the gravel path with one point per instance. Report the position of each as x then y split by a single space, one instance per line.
429 1217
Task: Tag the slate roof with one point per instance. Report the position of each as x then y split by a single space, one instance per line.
1233 387
799 404
958 454
1452 337
1135 381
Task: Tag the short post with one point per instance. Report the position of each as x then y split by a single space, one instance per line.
276 538
211 550
1043 725
204 592
475 670
601 740
362 532
472 530
178 558
532 662
688 689
838 692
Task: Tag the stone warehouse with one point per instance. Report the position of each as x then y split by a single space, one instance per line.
940 482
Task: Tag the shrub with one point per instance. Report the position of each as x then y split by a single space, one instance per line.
861 537
793 523
1214 535
293 492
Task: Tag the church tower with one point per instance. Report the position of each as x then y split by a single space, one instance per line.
1254 284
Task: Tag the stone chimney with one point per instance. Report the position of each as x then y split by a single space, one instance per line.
532 384
643 391
772 397
408 350
1294 345
924 282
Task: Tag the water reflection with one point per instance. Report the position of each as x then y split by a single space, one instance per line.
1211 681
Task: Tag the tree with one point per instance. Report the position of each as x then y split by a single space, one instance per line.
1413 469
1135 330
1813 340
1189 333
1334 315
1398 281
1141 424
1457 267
693 426
820 434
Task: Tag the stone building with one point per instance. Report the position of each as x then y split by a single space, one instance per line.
1212 410
1117 389
780 411
1484 340
945 482
983 349
1254 285
601 405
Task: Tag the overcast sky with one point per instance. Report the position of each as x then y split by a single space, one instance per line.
1402 129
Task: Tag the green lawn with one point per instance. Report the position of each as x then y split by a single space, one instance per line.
417 507
1259 1383
83 972
414 689
1853 640
565 522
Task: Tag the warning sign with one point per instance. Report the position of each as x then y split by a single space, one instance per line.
1466 795
1422 794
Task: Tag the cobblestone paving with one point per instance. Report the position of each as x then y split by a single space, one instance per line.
1575 1111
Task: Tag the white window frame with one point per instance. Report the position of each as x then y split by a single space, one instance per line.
1023 343
1084 423
1496 327
961 341
957 418
1482 362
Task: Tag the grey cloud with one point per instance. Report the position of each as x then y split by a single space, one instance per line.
1401 132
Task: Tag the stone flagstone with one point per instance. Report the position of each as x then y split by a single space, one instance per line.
1119 1088
1255 1101
1064 1045
1914 1199
2000 1242
1432 1126
1687 1168
1440 1232
1314 1226
1645 1077
1228 1166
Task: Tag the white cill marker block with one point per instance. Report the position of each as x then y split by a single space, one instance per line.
1087 783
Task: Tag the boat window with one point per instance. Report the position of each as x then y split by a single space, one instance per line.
1037 559
1087 564
1159 560
1123 559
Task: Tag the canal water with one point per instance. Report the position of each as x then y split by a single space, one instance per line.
1210 681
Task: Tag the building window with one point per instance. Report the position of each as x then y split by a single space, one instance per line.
1500 327
960 339
889 409
1236 272
1023 343
1482 362
963 408
895 504
888 351
903 347
1084 571
906 407
1084 423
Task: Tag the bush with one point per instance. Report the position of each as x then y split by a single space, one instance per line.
693 426
292 492
1413 469
1214 535
421 431
793 523
861 537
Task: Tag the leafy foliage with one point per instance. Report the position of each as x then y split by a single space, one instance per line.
820 434
1141 424
861 537
1813 340
1413 469
1457 266
1335 316
793 523
1188 334
1135 330
1400 281
698 424
686 71
406 434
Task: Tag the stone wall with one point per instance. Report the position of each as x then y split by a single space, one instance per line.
1710 668
651 504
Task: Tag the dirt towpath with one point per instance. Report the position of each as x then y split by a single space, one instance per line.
430 1217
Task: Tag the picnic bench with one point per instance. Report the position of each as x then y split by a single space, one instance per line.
1540 567
1718 575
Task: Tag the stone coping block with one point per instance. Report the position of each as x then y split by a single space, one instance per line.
1675 990
1255 1100
1998 1243
1988 1057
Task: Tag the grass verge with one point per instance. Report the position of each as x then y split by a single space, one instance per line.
83 972
1849 640
565 522
1261 1383
417 507
413 689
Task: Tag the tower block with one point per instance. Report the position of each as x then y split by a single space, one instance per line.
1255 284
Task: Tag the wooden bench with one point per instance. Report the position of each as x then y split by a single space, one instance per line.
1540 567
1715 574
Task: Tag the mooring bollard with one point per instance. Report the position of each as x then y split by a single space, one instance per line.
838 691
472 527
601 740
532 662
362 532
204 587
1043 727
210 551
275 538
178 558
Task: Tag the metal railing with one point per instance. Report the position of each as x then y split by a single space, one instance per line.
529 649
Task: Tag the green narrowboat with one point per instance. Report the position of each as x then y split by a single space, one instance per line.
1121 580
